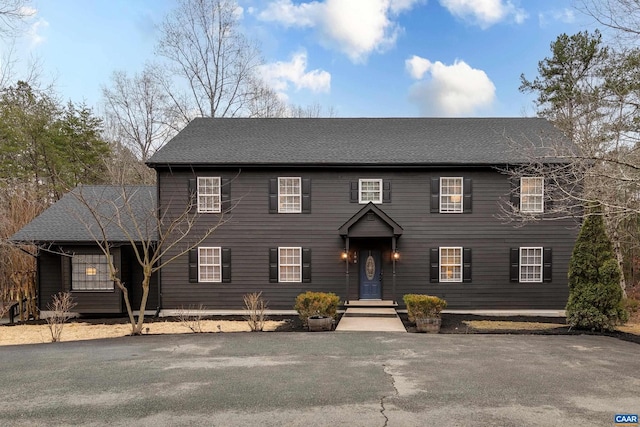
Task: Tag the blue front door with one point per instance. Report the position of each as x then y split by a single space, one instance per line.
370 275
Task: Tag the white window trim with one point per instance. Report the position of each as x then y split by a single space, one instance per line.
299 264
217 203
520 264
299 195
440 195
440 276
103 285
214 265
360 181
541 195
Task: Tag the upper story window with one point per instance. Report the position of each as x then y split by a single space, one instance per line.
90 272
450 195
208 194
290 264
209 265
289 195
370 190
530 264
450 264
532 194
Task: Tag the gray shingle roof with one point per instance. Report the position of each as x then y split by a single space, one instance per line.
356 141
69 220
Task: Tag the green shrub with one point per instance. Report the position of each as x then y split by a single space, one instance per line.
421 306
595 295
316 304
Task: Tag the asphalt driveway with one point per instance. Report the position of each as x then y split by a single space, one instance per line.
321 379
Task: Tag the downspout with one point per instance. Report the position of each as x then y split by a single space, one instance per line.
346 263
393 259
159 275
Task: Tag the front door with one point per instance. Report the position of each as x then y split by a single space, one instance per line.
370 275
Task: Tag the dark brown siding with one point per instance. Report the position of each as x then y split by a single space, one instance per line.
55 276
250 231
50 278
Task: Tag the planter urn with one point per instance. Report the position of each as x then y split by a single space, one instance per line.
320 323
430 325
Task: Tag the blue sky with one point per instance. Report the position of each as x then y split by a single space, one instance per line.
362 58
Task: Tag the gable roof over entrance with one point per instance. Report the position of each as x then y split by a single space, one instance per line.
357 142
370 221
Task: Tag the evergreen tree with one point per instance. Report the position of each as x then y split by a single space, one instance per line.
595 296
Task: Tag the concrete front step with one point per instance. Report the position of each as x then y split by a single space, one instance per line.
373 319
370 303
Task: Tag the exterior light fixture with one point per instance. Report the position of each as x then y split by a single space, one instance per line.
396 255
344 255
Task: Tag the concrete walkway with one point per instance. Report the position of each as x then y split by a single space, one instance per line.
374 319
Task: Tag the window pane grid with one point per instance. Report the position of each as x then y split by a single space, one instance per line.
290 264
289 195
451 264
450 194
531 194
208 194
90 272
209 265
531 264
371 190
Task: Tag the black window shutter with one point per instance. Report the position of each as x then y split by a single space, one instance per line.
386 191
467 195
353 191
514 270
466 264
193 265
193 193
306 195
434 270
435 195
273 195
306 265
273 265
546 264
226 265
548 196
225 194
515 193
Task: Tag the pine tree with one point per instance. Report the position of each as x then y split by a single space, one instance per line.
595 296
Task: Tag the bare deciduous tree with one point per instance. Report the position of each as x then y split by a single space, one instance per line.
137 108
157 238
622 16
12 13
209 55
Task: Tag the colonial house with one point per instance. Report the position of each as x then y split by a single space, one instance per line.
367 208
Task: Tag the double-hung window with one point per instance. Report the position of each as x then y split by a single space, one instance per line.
530 264
289 195
450 194
532 194
370 190
90 272
208 194
209 264
289 264
450 264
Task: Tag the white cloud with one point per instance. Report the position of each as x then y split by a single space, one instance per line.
417 66
34 32
485 13
566 16
354 27
280 75
449 90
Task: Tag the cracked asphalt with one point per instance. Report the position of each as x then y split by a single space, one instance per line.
321 379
